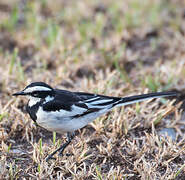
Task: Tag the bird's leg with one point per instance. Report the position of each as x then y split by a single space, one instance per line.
70 136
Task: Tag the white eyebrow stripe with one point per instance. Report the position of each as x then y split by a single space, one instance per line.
36 88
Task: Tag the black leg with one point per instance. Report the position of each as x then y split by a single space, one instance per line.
61 149
70 136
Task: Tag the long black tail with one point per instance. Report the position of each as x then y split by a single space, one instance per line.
139 98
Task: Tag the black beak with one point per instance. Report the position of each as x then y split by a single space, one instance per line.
19 93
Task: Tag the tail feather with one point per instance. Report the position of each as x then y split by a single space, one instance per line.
139 98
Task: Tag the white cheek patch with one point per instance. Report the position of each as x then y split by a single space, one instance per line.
33 101
36 88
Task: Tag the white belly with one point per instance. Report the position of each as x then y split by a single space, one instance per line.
61 122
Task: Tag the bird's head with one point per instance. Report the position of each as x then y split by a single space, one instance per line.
37 91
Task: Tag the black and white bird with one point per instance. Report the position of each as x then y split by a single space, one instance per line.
64 111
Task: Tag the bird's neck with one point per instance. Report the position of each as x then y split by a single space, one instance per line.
34 100
34 104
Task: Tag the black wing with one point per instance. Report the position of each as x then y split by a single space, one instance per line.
56 105
75 97
88 96
66 99
95 101
66 96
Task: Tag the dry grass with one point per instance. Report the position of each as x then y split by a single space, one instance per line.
115 48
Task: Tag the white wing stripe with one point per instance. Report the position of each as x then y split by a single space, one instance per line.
78 109
98 106
101 101
92 99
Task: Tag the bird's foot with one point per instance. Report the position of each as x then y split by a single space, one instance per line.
60 153
50 157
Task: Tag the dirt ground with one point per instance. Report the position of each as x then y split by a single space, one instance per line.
109 47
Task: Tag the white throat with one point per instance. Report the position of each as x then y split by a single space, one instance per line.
35 100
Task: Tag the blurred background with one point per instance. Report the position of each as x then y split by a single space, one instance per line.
108 47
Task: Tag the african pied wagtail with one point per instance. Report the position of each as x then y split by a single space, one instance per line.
64 111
